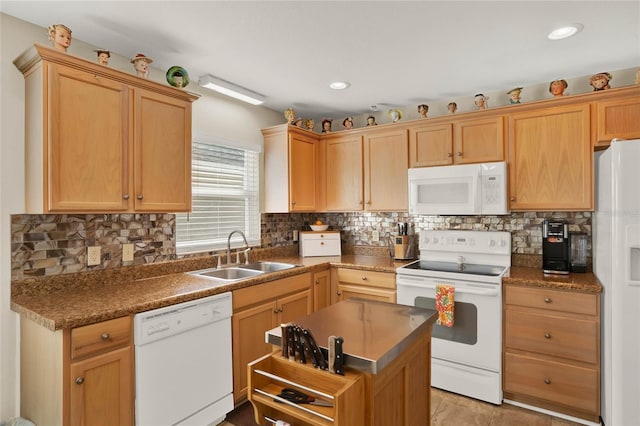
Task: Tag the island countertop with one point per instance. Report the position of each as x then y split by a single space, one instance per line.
375 333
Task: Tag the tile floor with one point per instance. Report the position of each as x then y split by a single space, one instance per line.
449 409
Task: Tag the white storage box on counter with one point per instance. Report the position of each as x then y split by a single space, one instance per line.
320 243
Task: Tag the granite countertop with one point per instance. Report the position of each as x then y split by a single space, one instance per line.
534 277
80 299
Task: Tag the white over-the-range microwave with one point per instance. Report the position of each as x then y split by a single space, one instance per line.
468 189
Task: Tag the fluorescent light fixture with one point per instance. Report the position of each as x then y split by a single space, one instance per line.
230 89
566 31
339 85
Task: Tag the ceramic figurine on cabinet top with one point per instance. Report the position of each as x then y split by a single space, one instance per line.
60 35
395 115
103 56
514 95
557 88
326 125
141 65
347 123
297 122
423 110
309 123
290 115
452 107
371 121
177 77
481 101
600 81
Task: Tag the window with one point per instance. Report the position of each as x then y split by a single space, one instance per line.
224 199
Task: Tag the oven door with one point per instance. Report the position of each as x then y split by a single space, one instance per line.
475 338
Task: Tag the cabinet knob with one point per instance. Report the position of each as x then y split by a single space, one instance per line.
105 336
459 153
125 197
547 300
321 243
281 309
547 336
364 278
338 292
275 311
139 197
317 281
293 203
547 381
449 154
512 198
369 202
79 380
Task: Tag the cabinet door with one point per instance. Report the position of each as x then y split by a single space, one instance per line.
344 173
321 290
617 118
248 328
162 170
551 160
431 145
294 306
386 164
346 291
479 141
86 139
101 390
302 173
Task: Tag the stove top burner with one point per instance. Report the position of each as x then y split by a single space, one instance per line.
460 268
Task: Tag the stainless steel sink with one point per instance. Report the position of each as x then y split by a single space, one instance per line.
228 274
267 266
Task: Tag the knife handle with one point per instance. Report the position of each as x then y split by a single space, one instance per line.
284 340
339 360
291 345
300 345
332 354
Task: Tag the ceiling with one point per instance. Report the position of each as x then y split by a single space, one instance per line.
394 53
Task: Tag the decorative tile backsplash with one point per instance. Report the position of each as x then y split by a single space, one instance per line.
44 245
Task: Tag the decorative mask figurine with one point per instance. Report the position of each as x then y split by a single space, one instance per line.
177 77
103 56
514 95
60 35
452 107
290 115
371 121
326 125
557 88
347 123
481 101
423 110
298 122
309 123
141 65
395 115
600 81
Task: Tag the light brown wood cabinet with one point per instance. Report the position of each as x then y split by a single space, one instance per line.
552 350
371 285
367 172
461 141
101 140
551 159
321 289
293 170
86 377
258 309
617 118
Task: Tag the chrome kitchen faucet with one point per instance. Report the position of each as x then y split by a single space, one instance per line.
245 251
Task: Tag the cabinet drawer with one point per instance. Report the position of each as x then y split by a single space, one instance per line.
368 278
559 383
320 244
554 300
100 337
552 335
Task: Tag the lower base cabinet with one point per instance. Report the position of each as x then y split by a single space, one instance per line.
370 285
82 376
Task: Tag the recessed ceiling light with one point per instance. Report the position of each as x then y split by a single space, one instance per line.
339 85
564 32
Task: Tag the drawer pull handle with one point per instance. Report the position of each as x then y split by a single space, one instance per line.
547 300
364 278
547 381
139 197
105 336
79 380
125 197
547 336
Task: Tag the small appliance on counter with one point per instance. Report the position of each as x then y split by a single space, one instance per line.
555 247
578 252
401 247
320 243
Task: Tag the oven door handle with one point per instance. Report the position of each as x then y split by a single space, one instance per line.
458 289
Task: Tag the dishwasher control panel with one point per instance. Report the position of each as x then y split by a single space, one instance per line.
175 319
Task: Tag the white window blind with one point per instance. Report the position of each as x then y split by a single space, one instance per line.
224 199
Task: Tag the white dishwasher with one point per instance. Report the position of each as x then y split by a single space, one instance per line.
183 363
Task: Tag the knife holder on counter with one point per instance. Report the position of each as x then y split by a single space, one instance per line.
267 376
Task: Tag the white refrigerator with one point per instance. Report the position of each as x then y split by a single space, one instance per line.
616 254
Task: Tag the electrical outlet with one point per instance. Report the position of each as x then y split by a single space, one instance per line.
127 252
93 255
375 236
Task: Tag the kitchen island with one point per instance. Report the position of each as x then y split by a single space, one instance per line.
387 352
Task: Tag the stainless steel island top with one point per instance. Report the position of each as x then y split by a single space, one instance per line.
375 333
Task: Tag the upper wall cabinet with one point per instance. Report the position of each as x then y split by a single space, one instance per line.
292 170
617 118
101 140
461 141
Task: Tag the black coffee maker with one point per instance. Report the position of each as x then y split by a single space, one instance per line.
555 247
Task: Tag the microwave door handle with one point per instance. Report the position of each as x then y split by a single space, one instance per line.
461 290
477 208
